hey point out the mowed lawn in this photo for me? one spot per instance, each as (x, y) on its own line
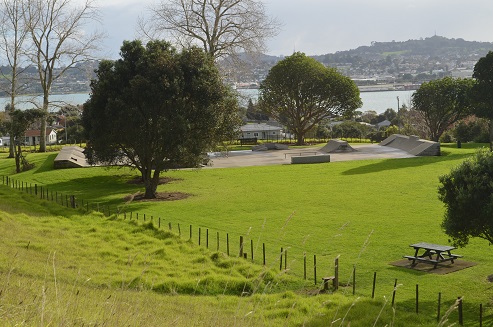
(365, 212)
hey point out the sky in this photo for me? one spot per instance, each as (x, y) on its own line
(326, 26)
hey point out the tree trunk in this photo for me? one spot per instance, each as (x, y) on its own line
(300, 140)
(11, 146)
(18, 156)
(151, 182)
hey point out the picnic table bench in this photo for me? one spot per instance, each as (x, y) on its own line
(432, 254)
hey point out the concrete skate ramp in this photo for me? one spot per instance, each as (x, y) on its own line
(71, 157)
(413, 145)
(336, 145)
(270, 146)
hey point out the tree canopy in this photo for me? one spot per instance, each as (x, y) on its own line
(442, 103)
(482, 90)
(467, 192)
(300, 91)
(156, 109)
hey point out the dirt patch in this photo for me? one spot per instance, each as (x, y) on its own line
(162, 180)
(441, 269)
(160, 196)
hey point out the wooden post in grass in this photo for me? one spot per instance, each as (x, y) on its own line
(159, 223)
(354, 279)
(35, 189)
(179, 230)
(439, 305)
(481, 315)
(286, 259)
(190, 232)
(207, 238)
(336, 274)
(393, 293)
(200, 232)
(417, 298)
(251, 249)
(374, 282)
(217, 241)
(263, 251)
(169, 226)
(304, 265)
(144, 217)
(280, 261)
(461, 316)
(227, 243)
(315, 268)
(241, 247)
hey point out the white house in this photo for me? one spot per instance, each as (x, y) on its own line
(261, 132)
(32, 136)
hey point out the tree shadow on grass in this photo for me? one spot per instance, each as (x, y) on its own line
(47, 165)
(391, 164)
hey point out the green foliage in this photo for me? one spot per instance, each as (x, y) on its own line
(443, 102)
(156, 109)
(481, 92)
(300, 92)
(467, 192)
(472, 129)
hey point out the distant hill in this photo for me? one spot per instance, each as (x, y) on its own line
(435, 46)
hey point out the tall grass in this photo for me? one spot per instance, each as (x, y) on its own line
(368, 212)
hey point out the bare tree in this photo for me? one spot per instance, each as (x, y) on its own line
(221, 27)
(13, 34)
(56, 29)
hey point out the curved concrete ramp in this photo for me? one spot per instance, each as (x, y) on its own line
(413, 145)
(71, 157)
(336, 145)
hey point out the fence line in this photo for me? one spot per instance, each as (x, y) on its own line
(72, 202)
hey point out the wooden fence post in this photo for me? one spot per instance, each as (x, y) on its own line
(461, 316)
(280, 260)
(227, 243)
(241, 247)
(263, 251)
(374, 282)
(304, 265)
(393, 293)
(207, 238)
(439, 305)
(217, 242)
(336, 274)
(354, 279)
(200, 232)
(315, 268)
(251, 249)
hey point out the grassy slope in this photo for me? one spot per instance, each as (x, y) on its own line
(368, 212)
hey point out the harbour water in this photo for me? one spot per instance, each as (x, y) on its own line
(377, 101)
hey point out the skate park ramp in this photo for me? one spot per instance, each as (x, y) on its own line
(412, 145)
(336, 146)
(71, 157)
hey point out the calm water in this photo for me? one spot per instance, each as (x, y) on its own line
(378, 101)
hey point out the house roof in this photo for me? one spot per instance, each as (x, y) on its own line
(37, 132)
(259, 127)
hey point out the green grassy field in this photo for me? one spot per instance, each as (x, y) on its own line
(365, 212)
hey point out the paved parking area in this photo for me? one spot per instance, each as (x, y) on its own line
(283, 157)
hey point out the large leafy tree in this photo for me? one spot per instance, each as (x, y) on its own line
(467, 192)
(156, 109)
(483, 91)
(20, 121)
(300, 92)
(443, 102)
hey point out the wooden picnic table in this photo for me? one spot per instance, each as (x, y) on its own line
(432, 254)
